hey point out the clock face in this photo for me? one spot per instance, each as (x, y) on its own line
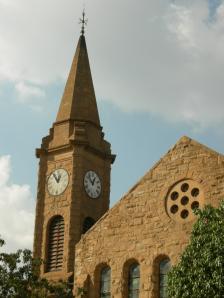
(92, 184)
(57, 182)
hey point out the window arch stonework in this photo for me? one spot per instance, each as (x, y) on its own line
(131, 279)
(105, 282)
(134, 281)
(55, 244)
(164, 268)
(97, 278)
(161, 267)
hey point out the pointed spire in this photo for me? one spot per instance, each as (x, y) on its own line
(78, 101)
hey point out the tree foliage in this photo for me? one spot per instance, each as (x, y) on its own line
(19, 278)
(200, 272)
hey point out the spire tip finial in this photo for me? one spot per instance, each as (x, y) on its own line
(83, 21)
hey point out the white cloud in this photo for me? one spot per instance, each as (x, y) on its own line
(16, 210)
(27, 91)
(6, 2)
(161, 57)
(180, 23)
(174, 69)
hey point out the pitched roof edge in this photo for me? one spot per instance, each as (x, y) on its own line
(183, 139)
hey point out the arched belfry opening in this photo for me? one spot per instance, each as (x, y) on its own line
(87, 224)
(55, 247)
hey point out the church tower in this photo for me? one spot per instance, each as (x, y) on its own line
(74, 172)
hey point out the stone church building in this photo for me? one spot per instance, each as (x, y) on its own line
(125, 251)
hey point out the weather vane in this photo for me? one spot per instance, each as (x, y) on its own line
(83, 21)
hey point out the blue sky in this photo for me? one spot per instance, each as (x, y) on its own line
(156, 78)
(213, 6)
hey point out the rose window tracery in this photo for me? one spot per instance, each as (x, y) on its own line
(183, 198)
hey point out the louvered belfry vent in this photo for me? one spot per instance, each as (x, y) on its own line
(55, 244)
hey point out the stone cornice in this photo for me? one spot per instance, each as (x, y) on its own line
(104, 155)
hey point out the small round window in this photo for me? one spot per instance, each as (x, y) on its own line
(183, 198)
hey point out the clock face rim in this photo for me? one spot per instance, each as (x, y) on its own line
(91, 197)
(55, 195)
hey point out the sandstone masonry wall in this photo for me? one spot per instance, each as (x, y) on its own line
(139, 228)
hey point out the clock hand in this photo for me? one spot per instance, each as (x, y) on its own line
(59, 177)
(55, 177)
(92, 181)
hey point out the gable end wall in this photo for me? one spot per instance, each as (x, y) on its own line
(138, 227)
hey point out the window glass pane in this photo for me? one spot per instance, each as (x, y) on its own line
(164, 268)
(105, 283)
(105, 286)
(135, 271)
(105, 295)
(133, 294)
(134, 281)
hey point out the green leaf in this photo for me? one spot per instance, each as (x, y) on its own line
(199, 273)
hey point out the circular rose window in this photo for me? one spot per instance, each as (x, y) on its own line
(183, 198)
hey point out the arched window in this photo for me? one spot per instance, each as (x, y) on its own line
(87, 224)
(55, 246)
(164, 267)
(105, 280)
(133, 281)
